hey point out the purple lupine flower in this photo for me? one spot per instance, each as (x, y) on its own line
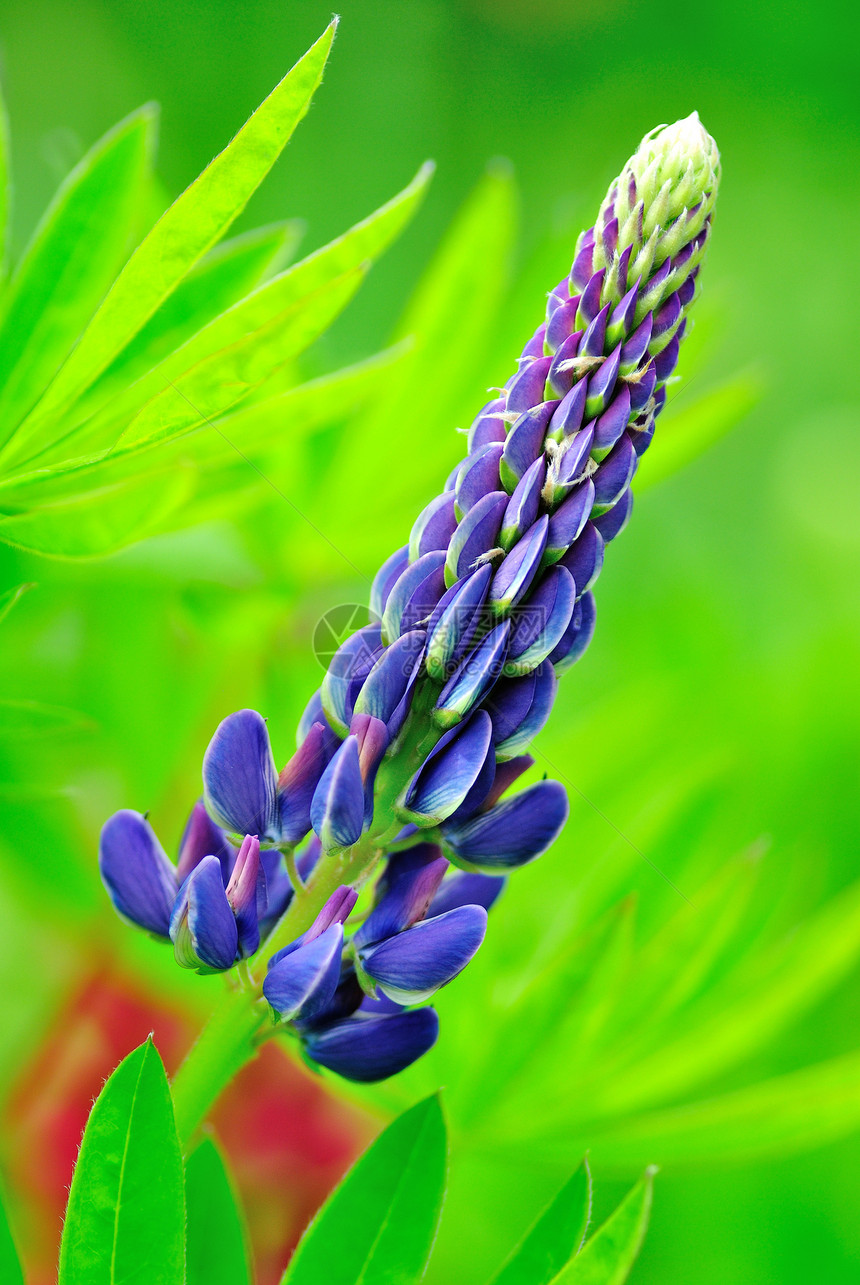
(407, 753)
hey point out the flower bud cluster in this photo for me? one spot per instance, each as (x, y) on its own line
(425, 715)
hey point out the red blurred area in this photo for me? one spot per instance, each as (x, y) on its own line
(287, 1141)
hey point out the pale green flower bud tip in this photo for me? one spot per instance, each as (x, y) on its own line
(682, 155)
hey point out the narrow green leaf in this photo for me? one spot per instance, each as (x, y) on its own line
(95, 523)
(126, 1214)
(70, 262)
(11, 597)
(10, 1264)
(226, 273)
(218, 382)
(192, 225)
(363, 243)
(608, 1257)
(217, 1252)
(776, 1117)
(556, 1236)
(377, 1227)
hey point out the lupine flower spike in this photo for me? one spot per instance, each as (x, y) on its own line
(409, 751)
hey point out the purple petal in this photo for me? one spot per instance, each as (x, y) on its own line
(523, 505)
(577, 635)
(489, 426)
(404, 893)
(411, 967)
(526, 388)
(433, 527)
(511, 834)
(385, 579)
(337, 809)
(388, 681)
(245, 891)
(518, 570)
(569, 466)
(567, 522)
(478, 476)
(561, 325)
(507, 773)
(519, 708)
(203, 838)
(347, 671)
(613, 522)
(601, 384)
(589, 302)
(539, 624)
(561, 375)
(612, 423)
(370, 1047)
(613, 476)
(299, 780)
(525, 443)
(567, 418)
(642, 389)
(592, 342)
(373, 740)
(584, 559)
(449, 772)
(414, 595)
(636, 346)
(202, 927)
(453, 624)
(140, 880)
(474, 677)
(621, 317)
(476, 535)
(534, 347)
(239, 779)
(302, 984)
(666, 361)
(464, 889)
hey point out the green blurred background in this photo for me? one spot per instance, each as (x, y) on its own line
(717, 710)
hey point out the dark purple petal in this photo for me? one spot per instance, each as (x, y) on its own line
(433, 527)
(388, 681)
(478, 476)
(567, 417)
(523, 505)
(203, 838)
(404, 892)
(666, 361)
(347, 671)
(568, 520)
(594, 339)
(518, 569)
(511, 834)
(412, 966)
(577, 636)
(302, 984)
(584, 558)
(140, 880)
(385, 579)
(525, 443)
(612, 423)
(569, 465)
(621, 317)
(337, 808)
(449, 772)
(308, 857)
(369, 1047)
(373, 740)
(474, 677)
(279, 890)
(642, 388)
(613, 476)
(602, 384)
(561, 325)
(613, 522)
(526, 388)
(476, 535)
(489, 426)
(539, 624)
(202, 927)
(534, 347)
(562, 372)
(300, 778)
(636, 346)
(239, 778)
(414, 596)
(454, 622)
(481, 789)
(313, 713)
(666, 321)
(506, 774)
(519, 708)
(583, 265)
(589, 303)
(464, 889)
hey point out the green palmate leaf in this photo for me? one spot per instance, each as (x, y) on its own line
(556, 1236)
(226, 273)
(377, 1228)
(11, 597)
(216, 1246)
(192, 225)
(689, 429)
(126, 1214)
(216, 383)
(803, 1109)
(447, 317)
(608, 1257)
(70, 262)
(10, 1264)
(97, 522)
(359, 246)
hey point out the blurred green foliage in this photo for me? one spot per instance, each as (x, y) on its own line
(677, 981)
